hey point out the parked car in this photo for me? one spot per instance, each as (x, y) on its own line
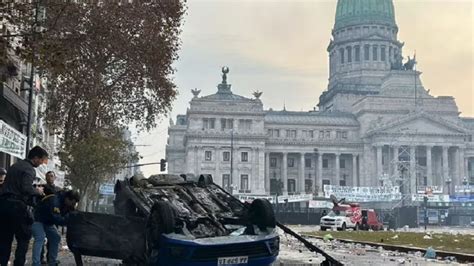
(177, 220)
(342, 216)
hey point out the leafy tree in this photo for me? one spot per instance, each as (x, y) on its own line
(108, 65)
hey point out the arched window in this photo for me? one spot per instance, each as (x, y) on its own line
(349, 54)
(357, 53)
(382, 53)
(375, 51)
(341, 55)
(366, 52)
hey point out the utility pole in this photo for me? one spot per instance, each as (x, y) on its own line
(231, 161)
(32, 75)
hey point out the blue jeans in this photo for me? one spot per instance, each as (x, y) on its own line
(40, 231)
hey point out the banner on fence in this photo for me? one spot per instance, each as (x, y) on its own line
(363, 194)
(320, 204)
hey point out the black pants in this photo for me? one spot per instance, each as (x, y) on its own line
(14, 222)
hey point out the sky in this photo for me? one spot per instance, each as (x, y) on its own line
(279, 47)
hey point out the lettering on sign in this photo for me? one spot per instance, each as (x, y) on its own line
(12, 141)
(363, 194)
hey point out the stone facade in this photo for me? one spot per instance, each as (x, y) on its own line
(377, 124)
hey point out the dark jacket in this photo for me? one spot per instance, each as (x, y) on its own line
(50, 210)
(19, 181)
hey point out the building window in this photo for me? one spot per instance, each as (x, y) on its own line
(344, 134)
(291, 185)
(307, 162)
(375, 51)
(308, 134)
(226, 182)
(341, 55)
(291, 133)
(321, 134)
(244, 156)
(349, 54)
(208, 155)
(291, 162)
(366, 52)
(227, 123)
(244, 182)
(208, 123)
(308, 185)
(342, 163)
(357, 53)
(245, 124)
(389, 53)
(382, 53)
(273, 162)
(328, 134)
(325, 163)
(226, 156)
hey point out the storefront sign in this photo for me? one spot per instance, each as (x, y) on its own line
(363, 194)
(431, 198)
(106, 189)
(12, 141)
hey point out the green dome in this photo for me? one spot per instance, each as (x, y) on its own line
(356, 12)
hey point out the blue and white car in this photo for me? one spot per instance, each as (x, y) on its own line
(178, 220)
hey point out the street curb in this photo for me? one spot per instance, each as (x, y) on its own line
(461, 257)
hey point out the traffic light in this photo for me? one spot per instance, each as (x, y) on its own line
(162, 165)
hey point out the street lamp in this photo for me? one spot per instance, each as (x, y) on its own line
(465, 183)
(448, 182)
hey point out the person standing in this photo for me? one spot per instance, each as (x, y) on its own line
(51, 211)
(3, 173)
(50, 178)
(16, 200)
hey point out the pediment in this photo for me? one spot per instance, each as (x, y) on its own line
(419, 124)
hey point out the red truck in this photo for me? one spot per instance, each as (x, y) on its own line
(350, 215)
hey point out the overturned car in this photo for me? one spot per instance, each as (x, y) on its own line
(177, 220)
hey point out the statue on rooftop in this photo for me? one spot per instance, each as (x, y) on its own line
(225, 71)
(257, 94)
(196, 92)
(410, 64)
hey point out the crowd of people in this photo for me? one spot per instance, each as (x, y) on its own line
(31, 208)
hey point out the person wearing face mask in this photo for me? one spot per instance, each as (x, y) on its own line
(16, 200)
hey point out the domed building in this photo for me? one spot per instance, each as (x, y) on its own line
(377, 126)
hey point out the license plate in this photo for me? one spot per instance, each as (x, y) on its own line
(232, 261)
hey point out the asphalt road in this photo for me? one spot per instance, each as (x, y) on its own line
(293, 253)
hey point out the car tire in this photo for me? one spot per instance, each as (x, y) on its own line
(323, 228)
(343, 227)
(205, 180)
(356, 228)
(161, 220)
(261, 214)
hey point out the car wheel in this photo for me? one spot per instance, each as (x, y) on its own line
(261, 214)
(356, 228)
(323, 228)
(205, 180)
(343, 228)
(160, 221)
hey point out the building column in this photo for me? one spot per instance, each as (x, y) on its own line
(338, 169)
(354, 170)
(267, 173)
(456, 173)
(301, 178)
(379, 162)
(462, 164)
(395, 161)
(320, 173)
(446, 170)
(413, 169)
(429, 166)
(284, 173)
